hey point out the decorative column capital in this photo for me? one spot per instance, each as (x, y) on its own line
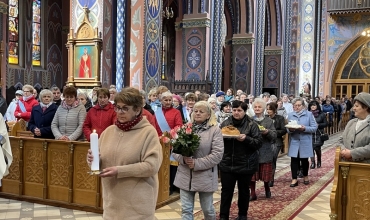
(250, 40)
(3, 8)
(273, 52)
(178, 26)
(196, 22)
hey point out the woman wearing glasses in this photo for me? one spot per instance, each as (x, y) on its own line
(130, 157)
(300, 139)
(25, 104)
(69, 118)
(100, 116)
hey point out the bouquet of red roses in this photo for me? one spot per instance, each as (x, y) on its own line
(183, 140)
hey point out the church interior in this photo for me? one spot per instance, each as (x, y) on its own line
(297, 47)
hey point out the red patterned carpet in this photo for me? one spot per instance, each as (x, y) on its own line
(286, 202)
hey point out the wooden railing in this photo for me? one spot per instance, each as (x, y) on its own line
(184, 86)
(349, 198)
(56, 173)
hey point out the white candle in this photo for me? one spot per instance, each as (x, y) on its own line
(94, 146)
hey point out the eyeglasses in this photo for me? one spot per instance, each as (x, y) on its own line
(298, 105)
(26, 91)
(123, 109)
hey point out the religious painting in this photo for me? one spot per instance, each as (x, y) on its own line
(85, 60)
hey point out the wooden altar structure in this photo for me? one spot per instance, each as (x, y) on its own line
(84, 55)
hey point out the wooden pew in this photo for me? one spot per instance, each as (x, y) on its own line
(55, 173)
(349, 198)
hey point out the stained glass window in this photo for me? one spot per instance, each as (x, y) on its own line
(36, 29)
(13, 32)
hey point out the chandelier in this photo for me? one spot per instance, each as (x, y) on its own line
(168, 12)
(366, 33)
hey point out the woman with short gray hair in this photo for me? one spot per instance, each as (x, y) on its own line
(42, 115)
(300, 139)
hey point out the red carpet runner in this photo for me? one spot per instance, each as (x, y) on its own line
(286, 202)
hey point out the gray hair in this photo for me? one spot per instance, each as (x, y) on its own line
(273, 97)
(211, 100)
(143, 93)
(298, 99)
(82, 94)
(165, 95)
(259, 101)
(45, 92)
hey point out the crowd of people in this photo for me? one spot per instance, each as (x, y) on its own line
(129, 123)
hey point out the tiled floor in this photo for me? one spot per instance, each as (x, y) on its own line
(318, 208)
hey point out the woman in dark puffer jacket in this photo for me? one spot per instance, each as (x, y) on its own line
(321, 121)
(279, 123)
(240, 160)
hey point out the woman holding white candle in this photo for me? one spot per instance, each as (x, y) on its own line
(130, 158)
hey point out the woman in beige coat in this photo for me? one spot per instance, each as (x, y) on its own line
(355, 140)
(199, 173)
(131, 156)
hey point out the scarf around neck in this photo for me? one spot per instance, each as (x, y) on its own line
(315, 113)
(65, 106)
(42, 105)
(27, 98)
(126, 126)
(201, 127)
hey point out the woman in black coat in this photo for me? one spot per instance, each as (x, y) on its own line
(279, 123)
(42, 115)
(321, 121)
(240, 160)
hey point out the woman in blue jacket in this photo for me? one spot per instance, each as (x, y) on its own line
(42, 115)
(300, 139)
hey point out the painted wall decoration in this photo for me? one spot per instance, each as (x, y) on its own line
(193, 61)
(343, 29)
(137, 42)
(108, 58)
(95, 15)
(241, 65)
(54, 75)
(307, 40)
(271, 75)
(120, 43)
(259, 49)
(322, 47)
(152, 42)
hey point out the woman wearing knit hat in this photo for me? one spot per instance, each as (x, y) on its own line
(355, 140)
(9, 115)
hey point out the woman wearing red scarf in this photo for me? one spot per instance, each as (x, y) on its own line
(130, 157)
(25, 104)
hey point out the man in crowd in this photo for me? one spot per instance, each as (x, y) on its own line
(57, 99)
(286, 104)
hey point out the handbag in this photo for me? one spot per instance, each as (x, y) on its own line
(323, 136)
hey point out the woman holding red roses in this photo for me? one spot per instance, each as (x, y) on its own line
(199, 173)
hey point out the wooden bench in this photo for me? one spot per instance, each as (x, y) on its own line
(350, 194)
(55, 173)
